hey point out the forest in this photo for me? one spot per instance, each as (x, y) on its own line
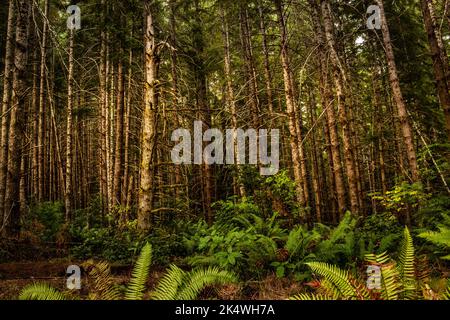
(225, 150)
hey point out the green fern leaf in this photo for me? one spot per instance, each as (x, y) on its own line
(104, 286)
(169, 285)
(310, 296)
(339, 278)
(139, 276)
(390, 278)
(196, 280)
(406, 266)
(41, 291)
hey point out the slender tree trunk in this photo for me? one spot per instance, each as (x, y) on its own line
(231, 103)
(102, 128)
(340, 86)
(17, 121)
(149, 130)
(68, 198)
(398, 96)
(118, 166)
(6, 105)
(175, 90)
(267, 71)
(250, 67)
(291, 106)
(42, 110)
(315, 165)
(330, 113)
(440, 66)
(126, 149)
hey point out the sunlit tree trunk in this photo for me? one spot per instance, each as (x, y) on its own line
(149, 130)
(68, 197)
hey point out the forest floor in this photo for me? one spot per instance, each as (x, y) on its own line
(16, 276)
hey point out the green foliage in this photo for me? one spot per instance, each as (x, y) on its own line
(105, 243)
(241, 239)
(406, 263)
(398, 280)
(440, 239)
(180, 285)
(339, 278)
(41, 291)
(51, 216)
(378, 233)
(282, 188)
(104, 287)
(136, 287)
(403, 197)
(175, 285)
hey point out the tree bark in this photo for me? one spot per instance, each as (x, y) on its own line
(440, 63)
(149, 130)
(5, 115)
(17, 121)
(340, 82)
(231, 103)
(118, 165)
(68, 197)
(291, 106)
(267, 71)
(42, 110)
(398, 97)
(330, 112)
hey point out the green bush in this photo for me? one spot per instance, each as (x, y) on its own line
(51, 216)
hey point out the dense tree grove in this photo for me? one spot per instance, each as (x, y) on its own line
(95, 92)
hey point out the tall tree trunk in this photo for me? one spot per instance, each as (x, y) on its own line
(340, 82)
(291, 106)
(315, 165)
(118, 166)
(126, 148)
(149, 130)
(267, 71)
(330, 113)
(231, 103)
(17, 121)
(68, 197)
(398, 96)
(102, 132)
(5, 115)
(250, 67)
(175, 90)
(42, 110)
(440, 66)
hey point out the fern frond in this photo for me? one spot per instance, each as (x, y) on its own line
(104, 286)
(169, 285)
(327, 288)
(339, 278)
(139, 276)
(440, 239)
(406, 265)
(41, 291)
(196, 280)
(390, 278)
(447, 293)
(311, 296)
